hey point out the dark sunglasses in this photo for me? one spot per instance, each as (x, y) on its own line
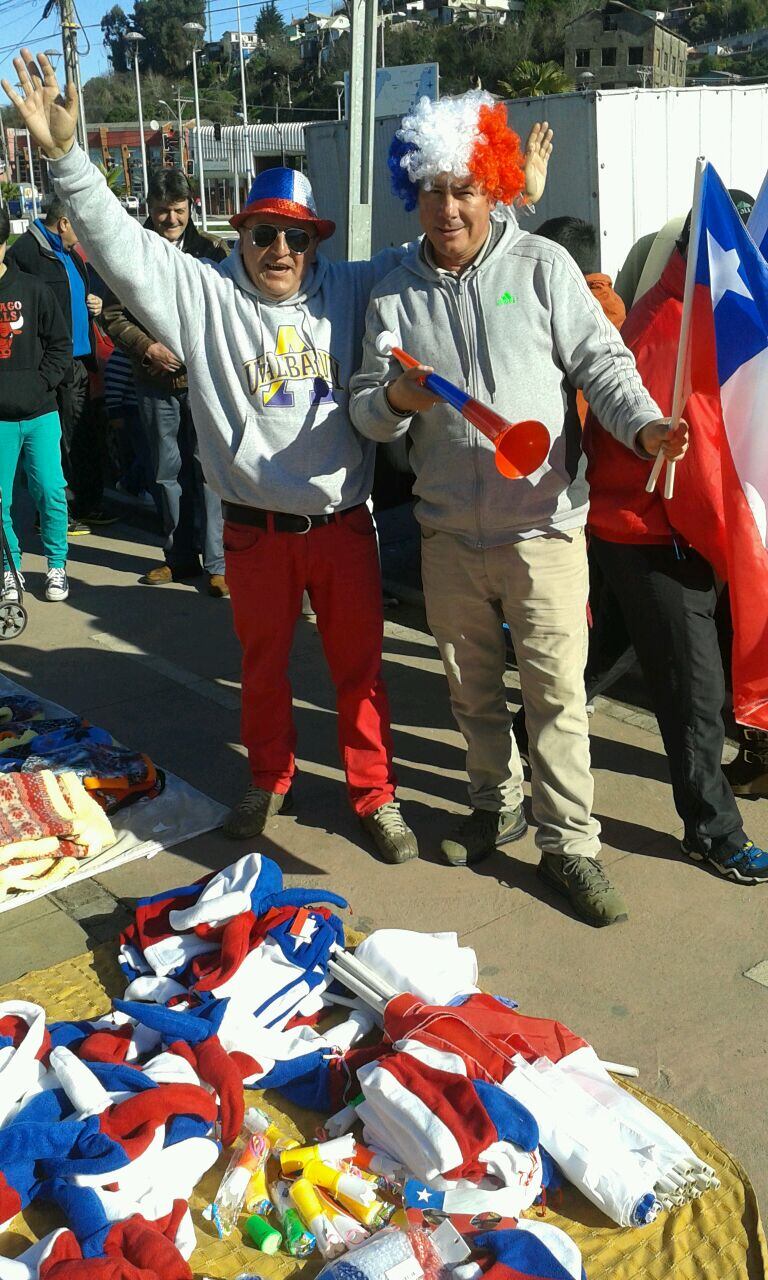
(264, 234)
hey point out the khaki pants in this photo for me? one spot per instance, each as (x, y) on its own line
(541, 586)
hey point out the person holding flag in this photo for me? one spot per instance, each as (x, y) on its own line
(661, 554)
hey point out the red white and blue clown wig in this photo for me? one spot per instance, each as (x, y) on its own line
(467, 137)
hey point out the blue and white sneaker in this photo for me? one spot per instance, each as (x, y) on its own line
(748, 865)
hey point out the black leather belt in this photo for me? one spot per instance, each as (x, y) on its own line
(278, 521)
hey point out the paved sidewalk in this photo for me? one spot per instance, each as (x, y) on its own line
(158, 667)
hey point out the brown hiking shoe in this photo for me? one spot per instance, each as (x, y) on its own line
(584, 882)
(217, 586)
(391, 834)
(250, 815)
(163, 573)
(482, 831)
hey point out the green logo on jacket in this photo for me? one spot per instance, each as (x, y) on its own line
(506, 299)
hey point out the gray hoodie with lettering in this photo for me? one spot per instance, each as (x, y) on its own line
(268, 381)
(518, 330)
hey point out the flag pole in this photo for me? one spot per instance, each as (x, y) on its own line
(685, 331)
(757, 222)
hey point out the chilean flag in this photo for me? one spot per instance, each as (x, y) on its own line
(726, 341)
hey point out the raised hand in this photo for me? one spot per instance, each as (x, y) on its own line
(50, 117)
(538, 149)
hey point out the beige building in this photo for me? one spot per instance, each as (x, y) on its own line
(616, 47)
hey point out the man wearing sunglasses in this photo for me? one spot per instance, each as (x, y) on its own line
(270, 339)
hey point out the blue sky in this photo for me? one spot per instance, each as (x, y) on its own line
(18, 19)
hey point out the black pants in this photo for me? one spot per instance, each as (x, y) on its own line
(80, 442)
(668, 600)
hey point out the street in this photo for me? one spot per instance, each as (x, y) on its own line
(158, 667)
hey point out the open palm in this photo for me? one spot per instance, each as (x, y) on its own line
(50, 116)
(538, 149)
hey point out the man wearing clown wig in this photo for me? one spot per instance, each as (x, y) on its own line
(507, 316)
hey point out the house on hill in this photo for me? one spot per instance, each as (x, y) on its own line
(617, 47)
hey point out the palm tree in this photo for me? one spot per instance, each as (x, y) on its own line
(114, 176)
(535, 80)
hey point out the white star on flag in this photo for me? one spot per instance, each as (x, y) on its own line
(307, 933)
(724, 271)
(424, 1196)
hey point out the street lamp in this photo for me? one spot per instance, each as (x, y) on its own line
(644, 75)
(134, 38)
(339, 87)
(196, 30)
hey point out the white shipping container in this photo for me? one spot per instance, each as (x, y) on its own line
(624, 160)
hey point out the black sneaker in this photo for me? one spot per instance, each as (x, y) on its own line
(100, 516)
(77, 528)
(747, 865)
(250, 815)
(482, 832)
(584, 883)
(391, 834)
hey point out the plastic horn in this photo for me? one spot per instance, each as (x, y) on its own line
(340, 1123)
(521, 447)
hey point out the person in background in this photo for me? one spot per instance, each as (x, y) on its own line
(136, 469)
(507, 316)
(35, 354)
(187, 500)
(667, 591)
(580, 239)
(48, 250)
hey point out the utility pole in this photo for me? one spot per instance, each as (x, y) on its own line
(69, 31)
(196, 31)
(363, 15)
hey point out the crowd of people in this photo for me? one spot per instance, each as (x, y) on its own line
(261, 389)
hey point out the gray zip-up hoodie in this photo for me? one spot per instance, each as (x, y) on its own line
(519, 330)
(268, 381)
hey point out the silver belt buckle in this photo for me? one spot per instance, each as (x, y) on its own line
(309, 524)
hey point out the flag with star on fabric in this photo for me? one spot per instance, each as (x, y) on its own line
(727, 357)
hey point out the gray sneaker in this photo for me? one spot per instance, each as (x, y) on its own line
(481, 832)
(251, 814)
(584, 882)
(391, 834)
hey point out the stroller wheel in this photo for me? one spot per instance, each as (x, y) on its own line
(13, 620)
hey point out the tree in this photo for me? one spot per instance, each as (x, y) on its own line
(114, 26)
(168, 47)
(535, 80)
(109, 98)
(115, 178)
(270, 22)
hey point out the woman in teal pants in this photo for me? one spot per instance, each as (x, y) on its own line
(35, 355)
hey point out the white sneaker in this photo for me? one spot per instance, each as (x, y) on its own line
(10, 590)
(56, 585)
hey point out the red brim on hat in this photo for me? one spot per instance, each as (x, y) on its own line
(286, 209)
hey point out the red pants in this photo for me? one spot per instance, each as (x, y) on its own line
(338, 565)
